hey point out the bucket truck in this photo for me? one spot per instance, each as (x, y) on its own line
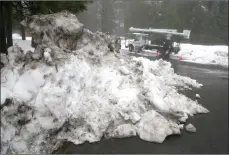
(165, 47)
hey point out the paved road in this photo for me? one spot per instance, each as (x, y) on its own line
(212, 128)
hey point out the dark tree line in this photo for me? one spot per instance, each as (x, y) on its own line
(13, 12)
(6, 25)
(208, 20)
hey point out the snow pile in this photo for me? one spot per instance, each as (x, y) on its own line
(217, 55)
(86, 92)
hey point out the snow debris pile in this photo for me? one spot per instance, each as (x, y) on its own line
(197, 96)
(73, 88)
(217, 55)
(190, 128)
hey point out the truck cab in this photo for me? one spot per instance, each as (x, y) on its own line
(140, 39)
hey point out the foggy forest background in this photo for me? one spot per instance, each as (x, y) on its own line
(208, 20)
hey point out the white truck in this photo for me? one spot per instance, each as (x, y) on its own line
(141, 38)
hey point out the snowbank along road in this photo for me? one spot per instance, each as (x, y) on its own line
(72, 87)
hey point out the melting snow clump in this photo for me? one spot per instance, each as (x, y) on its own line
(73, 88)
(190, 128)
(197, 96)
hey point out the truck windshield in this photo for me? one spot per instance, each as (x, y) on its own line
(137, 38)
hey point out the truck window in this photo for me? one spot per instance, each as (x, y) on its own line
(137, 38)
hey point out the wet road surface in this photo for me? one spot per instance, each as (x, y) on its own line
(212, 128)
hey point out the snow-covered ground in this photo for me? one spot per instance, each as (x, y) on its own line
(205, 54)
(25, 44)
(212, 54)
(86, 93)
(18, 36)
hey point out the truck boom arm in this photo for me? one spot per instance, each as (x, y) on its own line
(185, 34)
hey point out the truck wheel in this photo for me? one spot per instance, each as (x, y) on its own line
(131, 48)
(140, 49)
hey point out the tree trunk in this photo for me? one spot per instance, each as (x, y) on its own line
(126, 16)
(21, 18)
(34, 12)
(23, 32)
(3, 35)
(22, 28)
(33, 44)
(104, 16)
(96, 15)
(9, 24)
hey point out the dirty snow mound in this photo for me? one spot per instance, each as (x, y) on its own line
(85, 92)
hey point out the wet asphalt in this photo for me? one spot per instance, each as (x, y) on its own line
(212, 128)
